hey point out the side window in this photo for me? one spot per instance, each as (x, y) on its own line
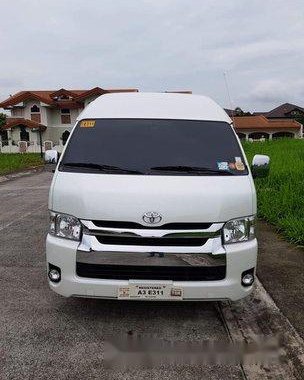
(65, 116)
(35, 114)
(65, 136)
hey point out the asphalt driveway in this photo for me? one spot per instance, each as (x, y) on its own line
(43, 335)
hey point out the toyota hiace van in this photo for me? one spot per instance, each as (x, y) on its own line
(153, 198)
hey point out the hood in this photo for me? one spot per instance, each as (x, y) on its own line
(177, 198)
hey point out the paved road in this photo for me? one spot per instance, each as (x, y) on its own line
(43, 335)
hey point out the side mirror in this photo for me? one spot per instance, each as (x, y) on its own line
(51, 156)
(260, 166)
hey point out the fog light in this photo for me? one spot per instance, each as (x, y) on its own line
(247, 279)
(54, 275)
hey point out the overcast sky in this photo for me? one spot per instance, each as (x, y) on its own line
(157, 45)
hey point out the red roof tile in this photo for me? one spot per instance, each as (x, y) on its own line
(93, 92)
(283, 123)
(250, 122)
(62, 91)
(260, 122)
(12, 122)
(46, 96)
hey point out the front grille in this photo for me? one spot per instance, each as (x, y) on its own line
(140, 272)
(138, 226)
(151, 241)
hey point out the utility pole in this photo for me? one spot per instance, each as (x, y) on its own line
(228, 94)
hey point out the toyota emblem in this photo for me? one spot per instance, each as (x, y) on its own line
(152, 217)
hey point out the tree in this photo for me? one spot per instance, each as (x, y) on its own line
(239, 112)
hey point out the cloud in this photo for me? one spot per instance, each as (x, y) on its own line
(276, 91)
(155, 45)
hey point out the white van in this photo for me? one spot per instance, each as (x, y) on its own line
(153, 199)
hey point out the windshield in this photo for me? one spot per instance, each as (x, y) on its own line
(153, 147)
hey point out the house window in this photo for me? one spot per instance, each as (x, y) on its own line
(64, 97)
(24, 135)
(18, 112)
(65, 116)
(4, 138)
(65, 136)
(35, 114)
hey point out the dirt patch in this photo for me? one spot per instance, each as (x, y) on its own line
(22, 173)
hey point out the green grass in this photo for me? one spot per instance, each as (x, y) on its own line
(12, 162)
(281, 194)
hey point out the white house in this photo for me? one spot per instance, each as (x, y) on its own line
(45, 116)
(259, 127)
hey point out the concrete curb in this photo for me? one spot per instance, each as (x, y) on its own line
(257, 317)
(21, 173)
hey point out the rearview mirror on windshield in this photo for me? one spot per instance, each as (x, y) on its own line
(51, 156)
(260, 166)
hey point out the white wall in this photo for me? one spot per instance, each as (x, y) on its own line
(270, 132)
(27, 110)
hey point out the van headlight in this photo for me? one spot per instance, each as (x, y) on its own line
(238, 230)
(65, 226)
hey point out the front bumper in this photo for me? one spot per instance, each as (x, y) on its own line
(239, 258)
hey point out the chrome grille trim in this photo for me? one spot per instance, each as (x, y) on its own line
(89, 243)
(92, 239)
(162, 226)
(211, 232)
(145, 258)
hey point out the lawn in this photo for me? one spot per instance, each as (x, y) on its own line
(281, 194)
(15, 161)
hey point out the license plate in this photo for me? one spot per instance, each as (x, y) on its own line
(150, 291)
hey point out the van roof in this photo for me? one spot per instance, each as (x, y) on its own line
(154, 106)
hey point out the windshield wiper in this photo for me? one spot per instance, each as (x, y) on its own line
(191, 169)
(101, 168)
